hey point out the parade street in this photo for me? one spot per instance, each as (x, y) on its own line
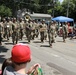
(58, 60)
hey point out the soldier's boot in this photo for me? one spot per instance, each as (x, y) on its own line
(21, 36)
(42, 41)
(45, 37)
(37, 35)
(29, 38)
(13, 42)
(29, 41)
(8, 37)
(53, 41)
(64, 40)
(0, 43)
(51, 45)
(16, 40)
(33, 36)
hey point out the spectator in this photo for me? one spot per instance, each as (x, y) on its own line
(20, 56)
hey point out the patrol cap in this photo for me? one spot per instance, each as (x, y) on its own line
(21, 53)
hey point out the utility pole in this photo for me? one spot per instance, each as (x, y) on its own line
(68, 8)
(54, 1)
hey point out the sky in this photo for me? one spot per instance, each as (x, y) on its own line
(60, 0)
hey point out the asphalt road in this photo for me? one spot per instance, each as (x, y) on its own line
(58, 60)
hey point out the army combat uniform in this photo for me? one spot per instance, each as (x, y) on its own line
(64, 32)
(28, 31)
(51, 33)
(42, 30)
(33, 30)
(21, 30)
(15, 32)
(1, 32)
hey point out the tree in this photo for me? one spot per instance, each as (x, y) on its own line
(71, 8)
(5, 11)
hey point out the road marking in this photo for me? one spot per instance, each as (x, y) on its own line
(55, 55)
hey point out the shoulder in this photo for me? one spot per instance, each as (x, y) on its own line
(9, 68)
(8, 71)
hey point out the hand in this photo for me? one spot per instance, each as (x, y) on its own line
(33, 69)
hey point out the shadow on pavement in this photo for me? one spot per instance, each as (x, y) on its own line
(8, 43)
(59, 41)
(4, 40)
(3, 49)
(23, 42)
(2, 58)
(44, 46)
(37, 42)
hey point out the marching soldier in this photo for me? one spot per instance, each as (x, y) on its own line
(43, 29)
(1, 32)
(4, 28)
(9, 28)
(15, 31)
(21, 25)
(36, 29)
(51, 33)
(28, 30)
(33, 29)
(65, 31)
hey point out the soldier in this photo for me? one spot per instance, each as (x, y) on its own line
(1, 32)
(36, 29)
(9, 28)
(49, 34)
(45, 32)
(65, 31)
(15, 31)
(43, 29)
(53, 31)
(28, 30)
(4, 28)
(33, 29)
(1, 28)
(21, 25)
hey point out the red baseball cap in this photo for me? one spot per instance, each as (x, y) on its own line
(21, 53)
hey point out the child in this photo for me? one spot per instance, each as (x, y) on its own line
(21, 55)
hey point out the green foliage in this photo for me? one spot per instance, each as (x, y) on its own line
(49, 11)
(41, 6)
(5, 11)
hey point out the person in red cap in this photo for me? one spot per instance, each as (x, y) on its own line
(20, 56)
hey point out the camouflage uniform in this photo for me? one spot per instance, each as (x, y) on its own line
(33, 30)
(15, 32)
(21, 31)
(1, 32)
(4, 28)
(53, 32)
(36, 29)
(42, 31)
(28, 31)
(7, 28)
(65, 31)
